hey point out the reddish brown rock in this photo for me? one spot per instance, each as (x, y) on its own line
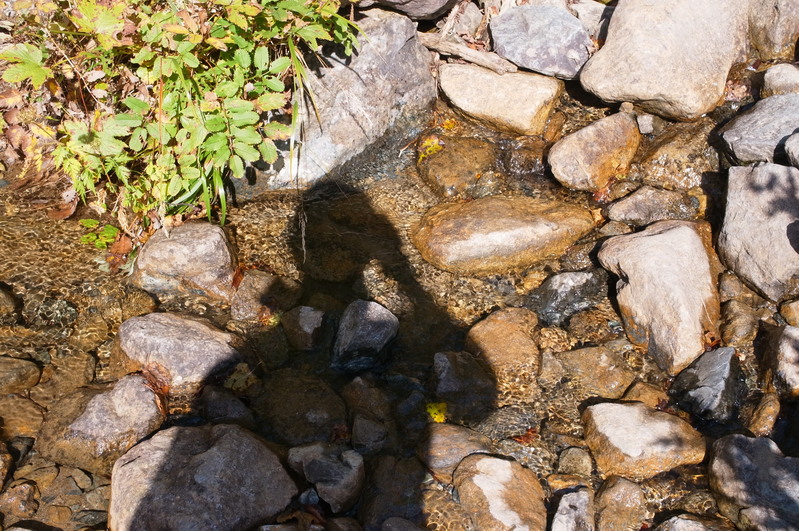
(446, 445)
(599, 371)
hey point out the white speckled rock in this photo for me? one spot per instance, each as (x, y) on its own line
(759, 134)
(517, 102)
(638, 442)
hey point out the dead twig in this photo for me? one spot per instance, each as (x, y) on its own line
(449, 46)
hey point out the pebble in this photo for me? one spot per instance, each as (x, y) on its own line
(17, 375)
(459, 167)
(780, 79)
(648, 205)
(337, 473)
(637, 442)
(712, 387)
(575, 511)
(598, 371)
(517, 102)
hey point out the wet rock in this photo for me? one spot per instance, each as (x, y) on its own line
(66, 372)
(220, 406)
(667, 297)
(401, 524)
(646, 393)
(500, 494)
(765, 415)
(599, 371)
(759, 235)
(456, 170)
(691, 522)
(575, 461)
(739, 323)
(541, 38)
(90, 330)
(300, 408)
(731, 288)
(759, 134)
(565, 294)
(6, 461)
(92, 428)
(754, 484)
(20, 501)
(235, 481)
(369, 406)
(446, 445)
(20, 417)
(394, 491)
(194, 258)
(792, 150)
(620, 504)
(780, 79)
(589, 158)
(385, 86)
(679, 158)
(638, 442)
(784, 361)
(712, 387)
(517, 102)
(185, 351)
(8, 307)
(575, 511)
(363, 332)
(337, 474)
(303, 326)
(17, 375)
(774, 28)
(672, 59)
(461, 382)
(415, 9)
(495, 234)
(647, 205)
(524, 156)
(503, 343)
(261, 294)
(789, 311)
(594, 16)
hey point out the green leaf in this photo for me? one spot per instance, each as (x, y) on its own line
(268, 151)
(248, 135)
(246, 152)
(238, 105)
(271, 101)
(277, 131)
(244, 118)
(261, 58)
(274, 84)
(237, 166)
(279, 66)
(29, 64)
(191, 60)
(215, 123)
(242, 57)
(136, 105)
(142, 56)
(227, 89)
(215, 142)
(313, 32)
(89, 223)
(138, 139)
(221, 156)
(127, 120)
(175, 185)
(23, 53)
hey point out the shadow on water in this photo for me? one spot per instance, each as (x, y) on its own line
(346, 250)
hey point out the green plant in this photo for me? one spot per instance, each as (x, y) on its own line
(100, 237)
(175, 96)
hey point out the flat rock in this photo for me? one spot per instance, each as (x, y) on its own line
(495, 234)
(575, 511)
(589, 158)
(758, 241)
(458, 168)
(384, 89)
(193, 258)
(638, 442)
(365, 329)
(503, 343)
(780, 79)
(665, 292)
(188, 478)
(774, 28)
(670, 59)
(759, 134)
(414, 9)
(338, 474)
(620, 504)
(500, 494)
(261, 294)
(299, 408)
(517, 102)
(92, 428)
(185, 351)
(598, 371)
(17, 375)
(20, 416)
(647, 205)
(754, 484)
(713, 386)
(542, 38)
(446, 445)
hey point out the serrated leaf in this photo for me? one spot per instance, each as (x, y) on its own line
(23, 53)
(215, 123)
(22, 71)
(221, 156)
(248, 135)
(175, 185)
(226, 89)
(242, 57)
(136, 105)
(244, 118)
(176, 28)
(236, 166)
(279, 66)
(271, 101)
(137, 139)
(191, 60)
(246, 152)
(127, 120)
(215, 142)
(142, 56)
(277, 131)
(274, 84)
(268, 151)
(89, 223)
(261, 58)
(238, 105)
(311, 33)
(219, 44)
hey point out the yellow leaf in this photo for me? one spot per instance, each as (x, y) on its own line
(176, 28)
(219, 44)
(437, 411)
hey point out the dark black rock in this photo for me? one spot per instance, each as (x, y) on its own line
(365, 329)
(712, 387)
(565, 294)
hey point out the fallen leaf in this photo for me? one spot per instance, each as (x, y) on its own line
(11, 98)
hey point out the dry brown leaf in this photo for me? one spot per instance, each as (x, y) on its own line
(11, 98)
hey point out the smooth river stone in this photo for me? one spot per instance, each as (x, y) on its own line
(496, 234)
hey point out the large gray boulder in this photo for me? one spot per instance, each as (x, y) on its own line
(774, 28)
(670, 58)
(386, 85)
(544, 39)
(194, 258)
(184, 352)
(755, 485)
(667, 297)
(519, 102)
(92, 427)
(414, 9)
(759, 237)
(188, 478)
(759, 134)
